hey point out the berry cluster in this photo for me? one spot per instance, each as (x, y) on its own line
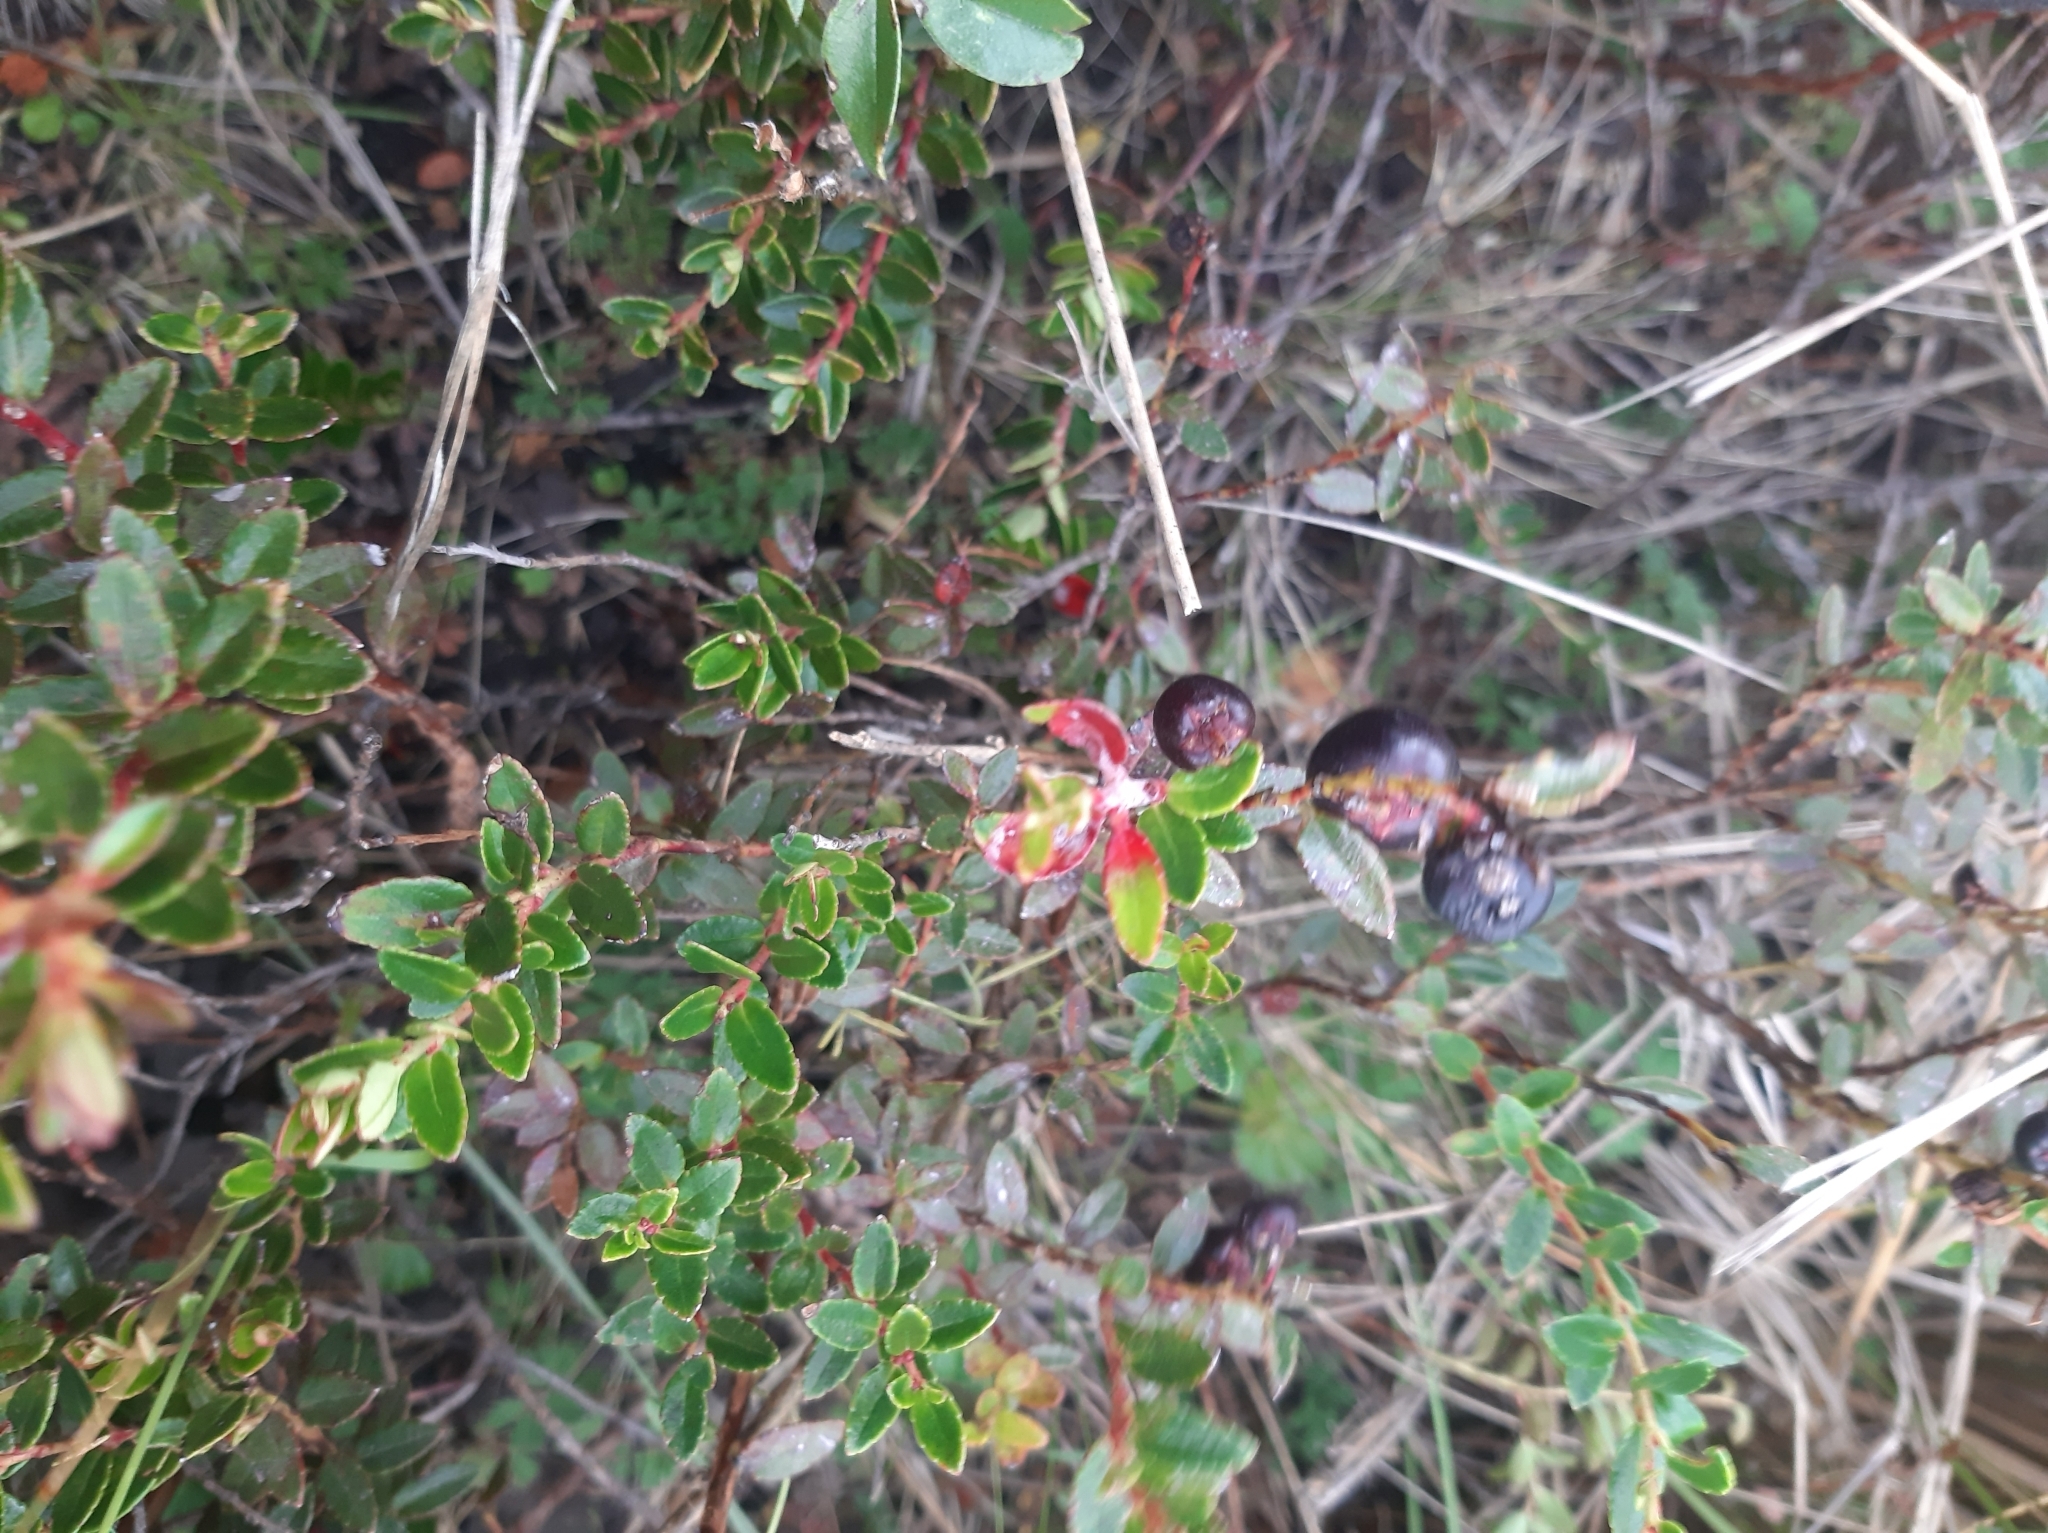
(1394, 775)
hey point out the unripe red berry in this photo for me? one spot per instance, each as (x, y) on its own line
(953, 584)
(1390, 743)
(1487, 885)
(1200, 720)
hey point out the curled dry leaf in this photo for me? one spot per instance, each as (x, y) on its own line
(1550, 786)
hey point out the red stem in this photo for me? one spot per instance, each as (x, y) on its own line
(54, 441)
(913, 128)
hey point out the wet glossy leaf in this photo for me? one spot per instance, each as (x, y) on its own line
(1347, 871)
(783, 1453)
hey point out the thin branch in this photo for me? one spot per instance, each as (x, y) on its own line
(465, 367)
(1977, 123)
(676, 572)
(1120, 345)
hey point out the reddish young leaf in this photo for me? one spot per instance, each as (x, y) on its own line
(1135, 885)
(1085, 725)
(1052, 833)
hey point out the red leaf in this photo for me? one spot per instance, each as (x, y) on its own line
(1085, 725)
(1052, 833)
(1135, 885)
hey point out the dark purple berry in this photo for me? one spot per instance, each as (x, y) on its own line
(1201, 720)
(1252, 1245)
(1394, 745)
(1270, 1227)
(1488, 886)
(2030, 1143)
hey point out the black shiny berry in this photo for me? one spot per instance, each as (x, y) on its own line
(2030, 1143)
(1487, 885)
(1393, 744)
(1201, 720)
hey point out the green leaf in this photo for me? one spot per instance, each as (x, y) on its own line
(602, 828)
(1012, 42)
(875, 1261)
(605, 904)
(1715, 1474)
(957, 1320)
(1527, 1233)
(910, 1330)
(441, 983)
(847, 1324)
(51, 783)
(1346, 869)
(490, 942)
(288, 418)
(740, 1345)
(315, 657)
(798, 957)
(679, 1281)
(502, 1024)
(402, 912)
(1831, 627)
(1937, 749)
(435, 1103)
(693, 1014)
(935, 1418)
(194, 748)
(1689, 1341)
(715, 1115)
(1545, 1088)
(761, 1045)
(24, 334)
(1584, 1340)
(1677, 1379)
(1550, 786)
(1183, 854)
(130, 405)
(128, 840)
(1604, 1210)
(1959, 607)
(604, 1211)
(1166, 1355)
(131, 634)
(274, 776)
(1515, 1128)
(263, 548)
(653, 1156)
(706, 1191)
(1625, 1509)
(32, 504)
(174, 332)
(224, 413)
(238, 632)
(1134, 883)
(1184, 1447)
(864, 51)
(1218, 789)
(1455, 1054)
(244, 335)
(434, 1489)
(871, 1413)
